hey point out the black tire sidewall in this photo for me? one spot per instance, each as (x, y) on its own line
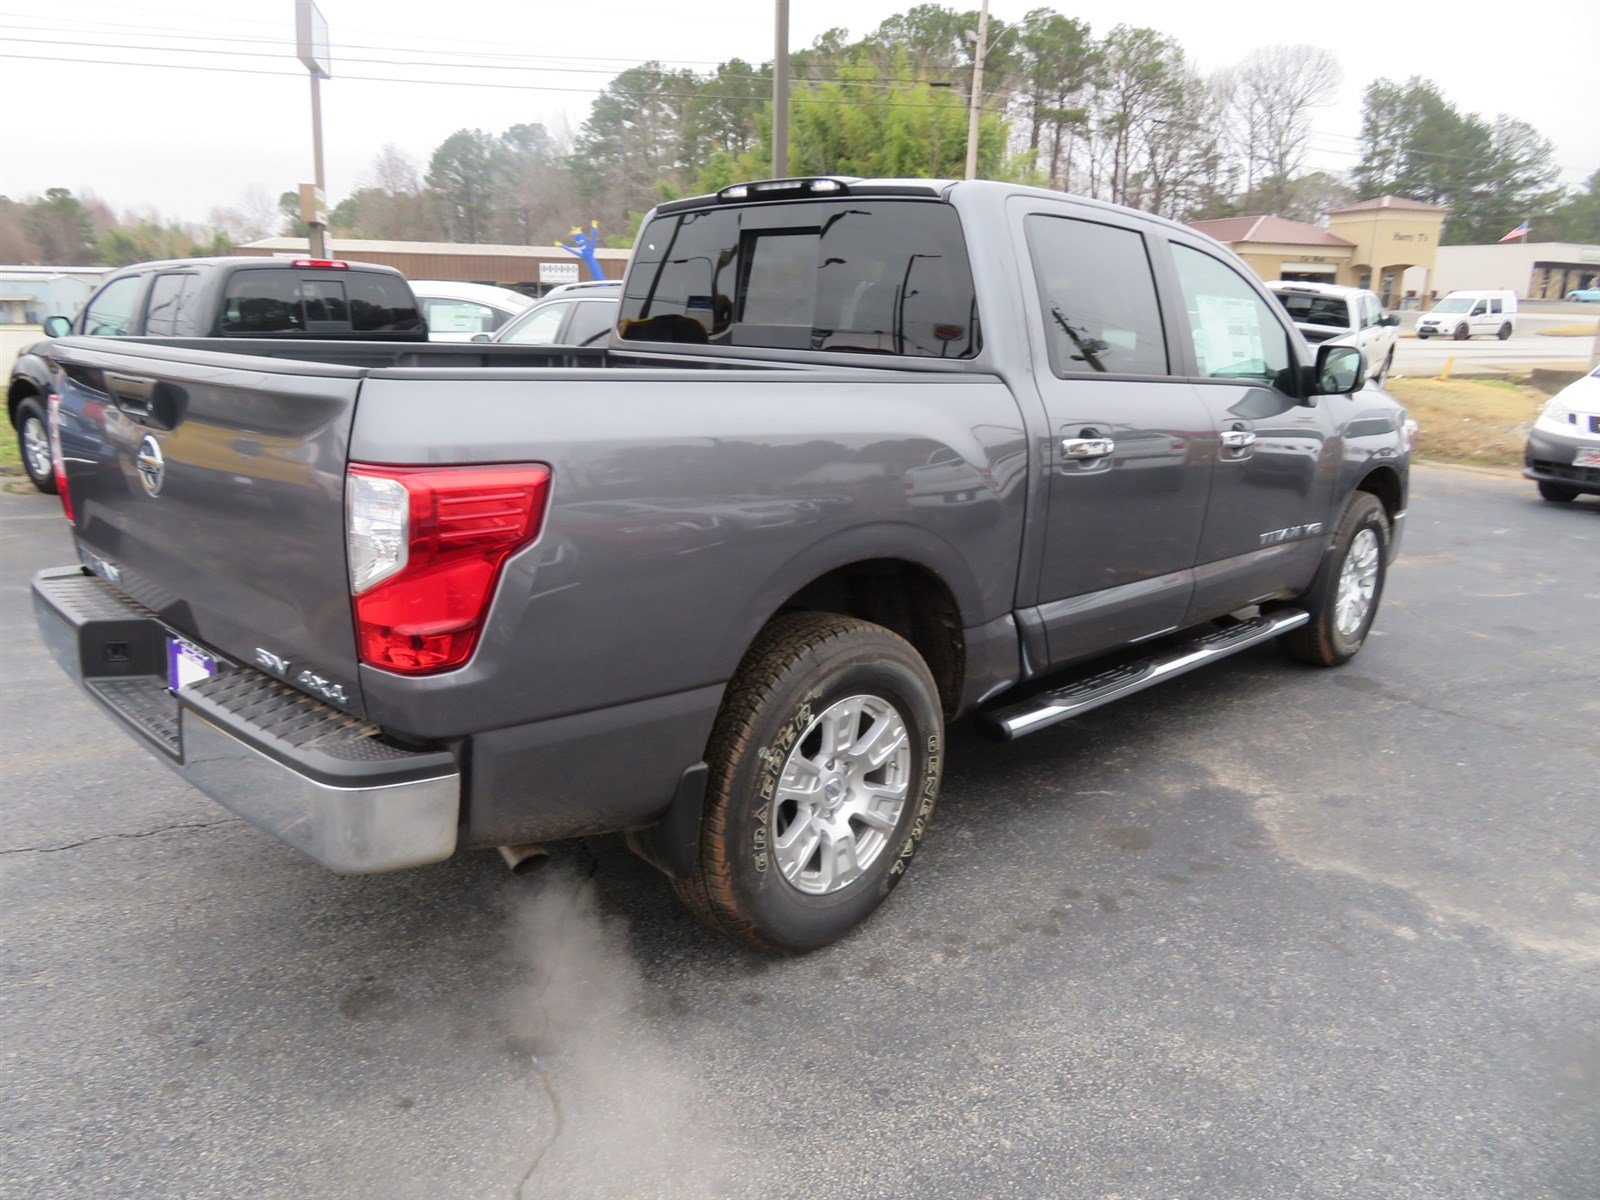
(1504, 331)
(32, 408)
(865, 665)
(1462, 333)
(1557, 493)
(1366, 512)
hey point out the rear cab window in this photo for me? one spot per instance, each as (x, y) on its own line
(860, 275)
(265, 302)
(1306, 308)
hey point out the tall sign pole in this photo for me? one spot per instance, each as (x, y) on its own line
(311, 43)
(780, 93)
(974, 101)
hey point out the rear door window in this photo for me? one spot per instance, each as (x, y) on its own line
(164, 314)
(1099, 298)
(591, 322)
(872, 276)
(110, 313)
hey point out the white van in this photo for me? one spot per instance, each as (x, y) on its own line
(1462, 314)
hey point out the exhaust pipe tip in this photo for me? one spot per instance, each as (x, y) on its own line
(525, 858)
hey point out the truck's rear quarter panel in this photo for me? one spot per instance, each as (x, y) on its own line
(686, 507)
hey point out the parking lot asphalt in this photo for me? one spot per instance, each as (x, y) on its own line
(1267, 932)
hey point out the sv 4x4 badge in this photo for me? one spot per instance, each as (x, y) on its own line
(310, 680)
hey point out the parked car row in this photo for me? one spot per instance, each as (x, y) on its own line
(313, 298)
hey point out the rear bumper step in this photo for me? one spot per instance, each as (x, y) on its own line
(317, 778)
(1090, 692)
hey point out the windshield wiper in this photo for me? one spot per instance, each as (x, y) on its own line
(1090, 349)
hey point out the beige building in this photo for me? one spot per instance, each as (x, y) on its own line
(1371, 244)
(531, 269)
(1277, 248)
(1391, 235)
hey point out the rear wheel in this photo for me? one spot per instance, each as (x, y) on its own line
(1559, 493)
(33, 439)
(825, 764)
(1504, 331)
(1343, 598)
(1462, 333)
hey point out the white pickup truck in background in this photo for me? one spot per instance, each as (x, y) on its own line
(1328, 313)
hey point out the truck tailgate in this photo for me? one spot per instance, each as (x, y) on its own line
(210, 488)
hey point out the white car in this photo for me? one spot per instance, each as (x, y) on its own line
(1460, 315)
(1327, 313)
(1563, 451)
(458, 312)
(579, 318)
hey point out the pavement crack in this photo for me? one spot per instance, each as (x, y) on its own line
(558, 1115)
(113, 837)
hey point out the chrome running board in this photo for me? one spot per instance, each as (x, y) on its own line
(1012, 721)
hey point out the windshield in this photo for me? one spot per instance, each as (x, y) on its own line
(1454, 304)
(871, 276)
(1330, 311)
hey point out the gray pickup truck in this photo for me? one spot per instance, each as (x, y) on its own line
(860, 458)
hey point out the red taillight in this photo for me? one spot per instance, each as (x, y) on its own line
(331, 264)
(426, 545)
(58, 465)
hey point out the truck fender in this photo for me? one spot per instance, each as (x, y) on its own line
(862, 543)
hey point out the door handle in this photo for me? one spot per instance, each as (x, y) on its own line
(1238, 439)
(1087, 447)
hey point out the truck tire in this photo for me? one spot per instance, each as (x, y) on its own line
(1504, 331)
(1462, 333)
(1343, 598)
(1558, 493)
(824, 768)
(33, 440)
(1422, 337)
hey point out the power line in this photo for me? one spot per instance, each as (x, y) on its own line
(885, 84)
(953, 105)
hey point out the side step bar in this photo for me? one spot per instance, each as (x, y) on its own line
(1081, 695)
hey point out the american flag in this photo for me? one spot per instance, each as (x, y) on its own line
(1521, 231)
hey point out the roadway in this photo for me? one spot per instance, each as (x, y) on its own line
(1266, 932)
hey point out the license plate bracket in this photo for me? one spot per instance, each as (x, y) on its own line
(187, 664)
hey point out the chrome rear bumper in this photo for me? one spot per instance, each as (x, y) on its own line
(305, 772)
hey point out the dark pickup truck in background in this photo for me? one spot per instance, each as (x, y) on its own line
(235, 297)
(860, 458)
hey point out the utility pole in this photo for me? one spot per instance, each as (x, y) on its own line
(780, 93)
(311, 44)
(976, 98)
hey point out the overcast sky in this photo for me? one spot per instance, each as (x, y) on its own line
(229, 109)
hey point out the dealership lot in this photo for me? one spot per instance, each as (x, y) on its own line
(1268, 931)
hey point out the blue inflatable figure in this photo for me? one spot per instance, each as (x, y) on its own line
(581, 244)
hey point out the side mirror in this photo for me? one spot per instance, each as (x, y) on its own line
(1390, 319)
(1339, 369)
(481, 337)
(57, 326)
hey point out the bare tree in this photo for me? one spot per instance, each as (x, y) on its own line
(1275, 89)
